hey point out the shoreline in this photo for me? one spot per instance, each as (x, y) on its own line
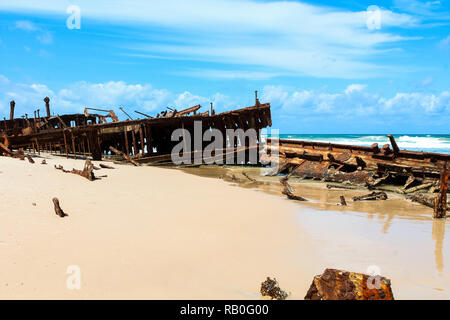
(147, 233)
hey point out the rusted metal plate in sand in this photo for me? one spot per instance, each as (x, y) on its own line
(310, 169)
(343, 285)
(358, 177)
(344, 156)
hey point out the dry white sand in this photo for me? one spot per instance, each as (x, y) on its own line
(143, 233)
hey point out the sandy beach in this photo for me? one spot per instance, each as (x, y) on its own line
(156, 233)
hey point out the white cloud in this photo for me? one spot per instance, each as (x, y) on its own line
(427, 81)
(43, 36)
(355, 101)
(25, 25)
(354, 88)
(113, 94)
(352, 103)
(445, 43)
(287, 36)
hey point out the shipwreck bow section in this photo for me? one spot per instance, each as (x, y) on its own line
(146, 139)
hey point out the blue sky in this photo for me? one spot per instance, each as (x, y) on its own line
(323, 66)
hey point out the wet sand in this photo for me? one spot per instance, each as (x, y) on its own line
(154, 233)
(396, 236)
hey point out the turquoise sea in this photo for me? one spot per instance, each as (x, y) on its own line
(439, 143)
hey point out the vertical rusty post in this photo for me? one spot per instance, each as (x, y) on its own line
(148, 138)
(127, 149)
(440, 202)
(65, 144)
(134, 142)
(94, 144)
(38, 147)
(47, 105)
(34, 123)
(141, 137)
(73, 145)
(12, 105)
(184, 138)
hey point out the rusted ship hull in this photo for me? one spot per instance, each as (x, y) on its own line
(143, 138)
(366, 166)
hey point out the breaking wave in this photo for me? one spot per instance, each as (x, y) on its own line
(427, 143)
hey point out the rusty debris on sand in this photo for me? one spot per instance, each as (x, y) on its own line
(336, 284)
(271, 288)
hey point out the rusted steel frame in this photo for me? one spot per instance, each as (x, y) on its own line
(38, 147)
(440, 202)
(135, 150)
(148, 138)
(401, 153)
(141, 137)
(125, 134)
(188, 110)
(168, 157)
(343, 285)
(141, 113)
(73, 145)
(61, 121)
(427, 167)
(53, 134)
(126, 157)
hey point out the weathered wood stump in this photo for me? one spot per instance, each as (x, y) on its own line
(343, 285)
(58, 209)
(343, 202)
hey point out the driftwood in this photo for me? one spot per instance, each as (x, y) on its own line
(289, 191)
(271, 288)
(58, 209)
(126, 157)
(422, 186)
(343, 285)
(372, 196)
(19, 155)
(341, 186)
(87, 171)
(105, 166)
(245, 174)
(30, 159)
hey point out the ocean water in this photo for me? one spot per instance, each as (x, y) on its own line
(417, 142)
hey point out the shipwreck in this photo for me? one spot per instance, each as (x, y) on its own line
(417, 175)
